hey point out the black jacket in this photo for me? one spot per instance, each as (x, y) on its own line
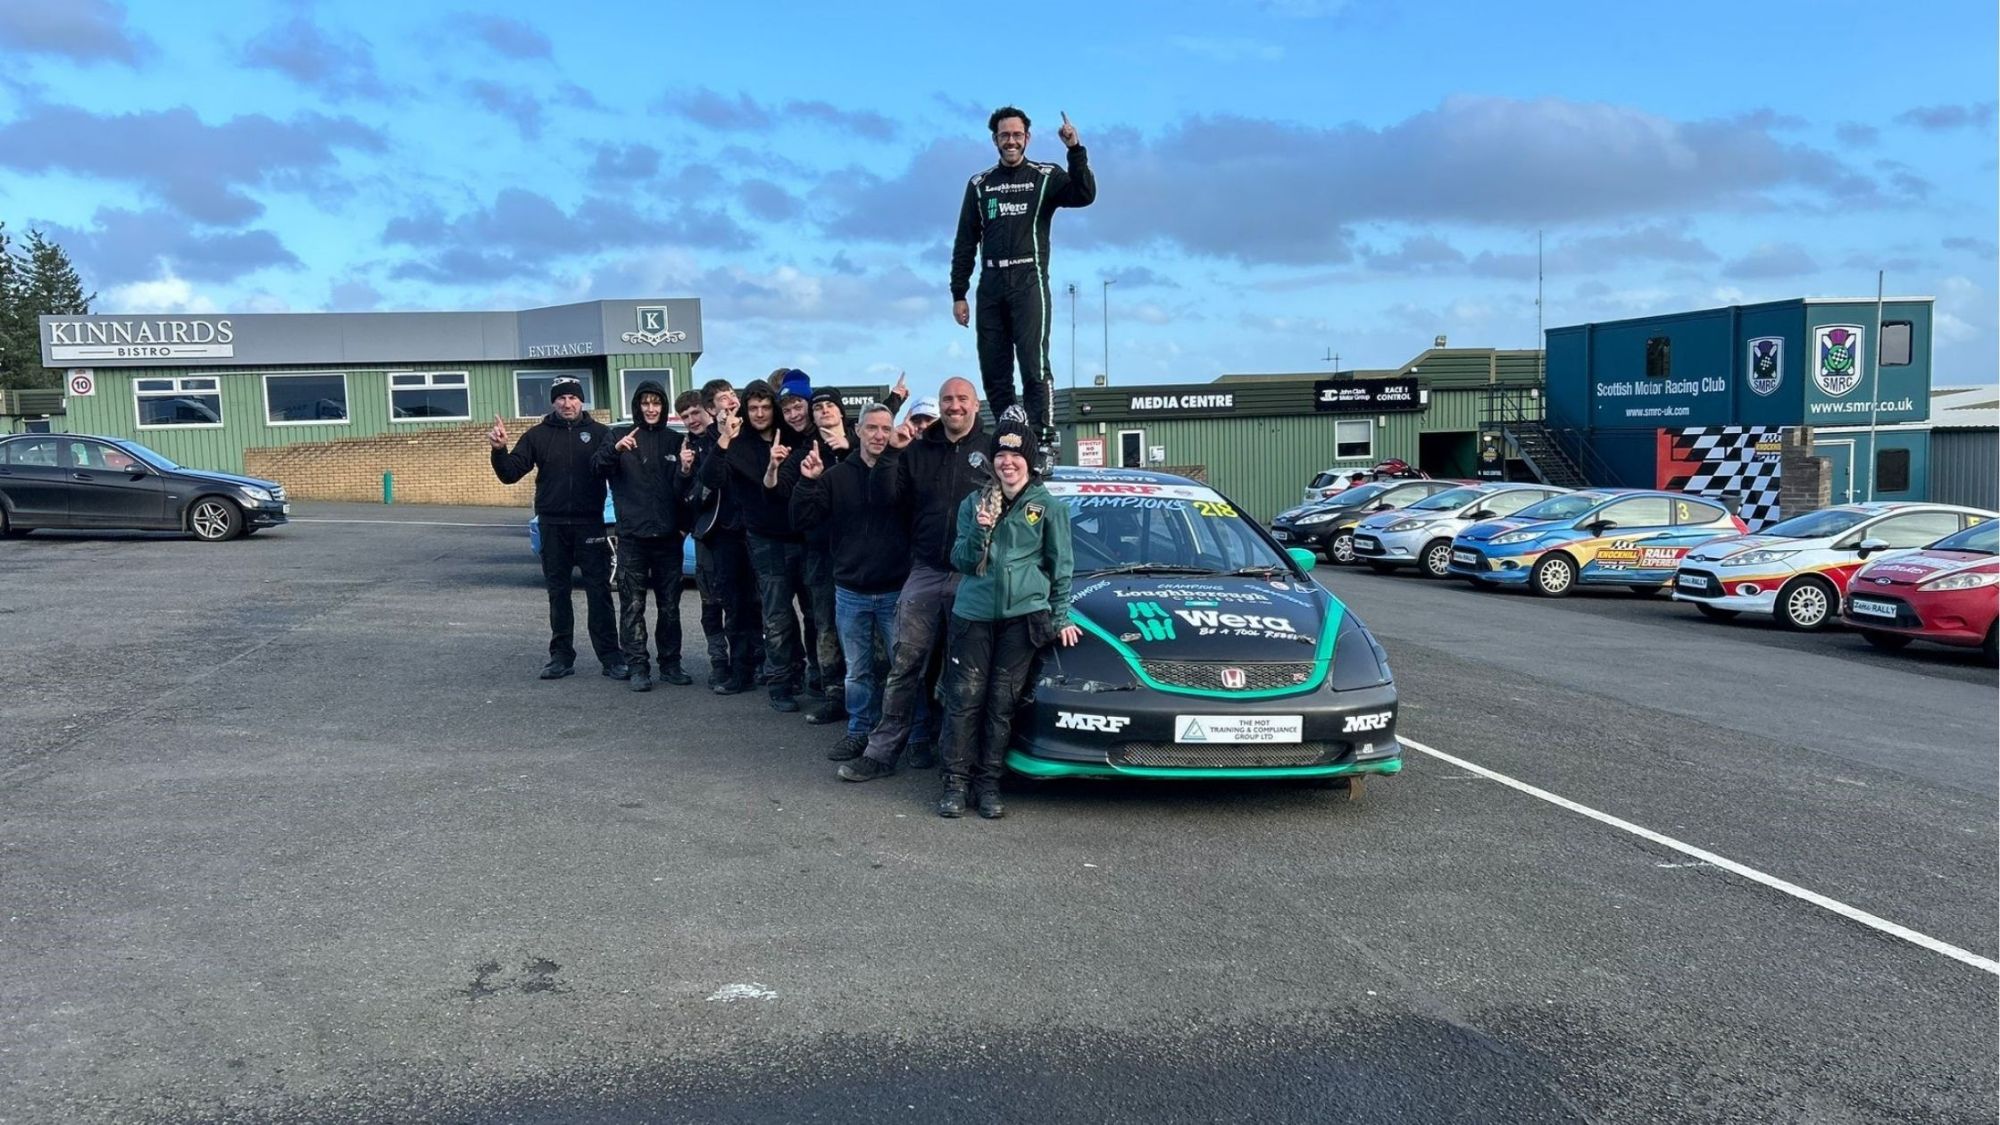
(558, 453)
(925, 482)
(711, 491)
(763, 508)
(869, 543)
(1006, 211)
(647, 486)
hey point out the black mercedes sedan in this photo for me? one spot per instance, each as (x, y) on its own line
(79, 481)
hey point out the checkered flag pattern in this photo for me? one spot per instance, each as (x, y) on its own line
(1713, 460)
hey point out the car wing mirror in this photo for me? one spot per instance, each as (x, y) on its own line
(1870, 546)
(1301, 557)
(1599, 527)
(1481, 514)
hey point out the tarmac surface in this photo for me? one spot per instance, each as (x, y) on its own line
(289, 832)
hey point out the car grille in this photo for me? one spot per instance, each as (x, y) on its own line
(1207, 675)
(1906, 618)
(1228, 755)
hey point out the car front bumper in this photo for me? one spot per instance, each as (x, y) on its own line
(269, 513)
(1312, 535)
(1711, 586)
(1475, 562)
(1380, 546)
(1956, 618)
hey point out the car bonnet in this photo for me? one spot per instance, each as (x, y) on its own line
(1209, 618)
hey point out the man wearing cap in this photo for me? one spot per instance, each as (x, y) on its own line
(569, 503)
(1012, 545)
(1003, 223)
(649, 467)
(923, 412)
(922, 480)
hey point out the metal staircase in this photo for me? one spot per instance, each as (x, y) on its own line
(1558, 457)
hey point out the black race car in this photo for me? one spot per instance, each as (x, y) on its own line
(1208, 651)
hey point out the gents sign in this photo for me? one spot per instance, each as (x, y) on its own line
(1366, 396)
(1202, 402)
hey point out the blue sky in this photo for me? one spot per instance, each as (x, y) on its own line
(1278, 179)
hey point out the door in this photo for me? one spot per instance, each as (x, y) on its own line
(1839, 469)
(31, 476)
(111, 488)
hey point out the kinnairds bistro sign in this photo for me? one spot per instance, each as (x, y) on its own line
(72, 341)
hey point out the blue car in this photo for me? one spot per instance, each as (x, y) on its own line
(1598, 537)
(611, 520)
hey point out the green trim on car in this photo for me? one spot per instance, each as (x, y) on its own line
(1043, 767)
(1322, 659)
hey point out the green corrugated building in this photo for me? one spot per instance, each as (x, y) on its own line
(1262, 438)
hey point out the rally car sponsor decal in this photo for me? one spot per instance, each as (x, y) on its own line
(1081, 720)
(1239, 728)
(1631, 554)
(1357, 723)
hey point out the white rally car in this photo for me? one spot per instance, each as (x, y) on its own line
(1797, 569)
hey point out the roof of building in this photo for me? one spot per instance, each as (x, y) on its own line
(1965, 408)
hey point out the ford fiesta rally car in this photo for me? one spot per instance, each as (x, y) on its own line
(1207, 650)
(1948, 593)
(1603, 536)
(1421, 534)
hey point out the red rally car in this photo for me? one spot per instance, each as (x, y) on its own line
(1948, 593)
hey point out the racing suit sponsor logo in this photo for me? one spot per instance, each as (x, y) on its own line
(1079, 720)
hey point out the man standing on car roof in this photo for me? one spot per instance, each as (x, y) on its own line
(649, 467)
(1003, 221)
(569, 502)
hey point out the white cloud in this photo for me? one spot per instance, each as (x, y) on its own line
(165, 294)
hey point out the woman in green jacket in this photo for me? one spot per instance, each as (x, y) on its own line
(1013, 547)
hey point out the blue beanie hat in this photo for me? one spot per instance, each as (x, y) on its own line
(796, 384)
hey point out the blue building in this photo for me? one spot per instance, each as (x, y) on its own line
(1699, 400)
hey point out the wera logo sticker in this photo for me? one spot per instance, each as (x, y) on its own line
(1152, 622)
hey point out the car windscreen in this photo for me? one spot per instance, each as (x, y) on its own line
(1111, 531)
(1983, 537)
(1357, 496)
(1447, 500)
(1823, 524)
(1565, 507)
(148, 456)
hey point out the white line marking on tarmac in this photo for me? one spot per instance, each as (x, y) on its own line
(1851, 913)
(401, 523)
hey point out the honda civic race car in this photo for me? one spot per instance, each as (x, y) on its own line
(1207, 650)
(1600, 537)
(1796, 569)
(1328, 527)
(1421, 534)
(1948, 593)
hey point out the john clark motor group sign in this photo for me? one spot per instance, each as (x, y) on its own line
(71, 340)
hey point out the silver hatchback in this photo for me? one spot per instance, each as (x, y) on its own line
(1420, 535)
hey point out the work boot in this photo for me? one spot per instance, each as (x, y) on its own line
(641, 680)
(952, 804)
(730, 685)
(674, 674)
(829, 712)
(864, 768)
(557, 668)
(1014, 413)
(989, 804)
(783, 700)
(922, 754)
(848, 748)
(617, 670)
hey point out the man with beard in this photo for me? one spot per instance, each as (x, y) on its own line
(1003, 222)
(569, 503)
(870, 552)
(922, 480)
(722, 552)
(648, 467)
(755, 451)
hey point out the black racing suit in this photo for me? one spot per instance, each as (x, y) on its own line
(1004, 222)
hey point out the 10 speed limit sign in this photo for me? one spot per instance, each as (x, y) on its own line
(82, 382)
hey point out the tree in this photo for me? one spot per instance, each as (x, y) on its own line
(38, 280)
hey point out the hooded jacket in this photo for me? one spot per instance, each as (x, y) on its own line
(926, 481)
(1020, 565)
(559, 453)
(647, 486)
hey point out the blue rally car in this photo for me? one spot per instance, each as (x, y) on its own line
(1598, 537)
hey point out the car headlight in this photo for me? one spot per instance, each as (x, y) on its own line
(1323, 517)
(1408, 525)
(1513, 537)
(255, 493)
(1960, 582)
(1757, 558)
(1358, 660)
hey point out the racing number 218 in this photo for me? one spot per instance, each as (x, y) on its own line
(1215, 509)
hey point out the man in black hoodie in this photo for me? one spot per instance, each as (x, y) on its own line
(649, 467)
(569, 502)
(722, 553)
(922, 479)
(754, 453)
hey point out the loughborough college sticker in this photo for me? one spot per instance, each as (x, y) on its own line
(1766, 364)
(1836, 362)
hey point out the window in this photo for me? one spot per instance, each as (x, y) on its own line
(429, 396)
(1892, 470)
(190, 401)
(1659, 357)
(1507, 503)
(628, 384)
(1353, 438)
(36, 452)
(1697, 513)
(1131, 449)
(531, 391)
(97, 455)
(1640, 511)
(1895, 344)
(1913, 530)
(319, 397)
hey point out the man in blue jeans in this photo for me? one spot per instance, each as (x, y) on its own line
(870, 548)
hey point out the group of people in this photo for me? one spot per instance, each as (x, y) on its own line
(901, 577)
(871, 566)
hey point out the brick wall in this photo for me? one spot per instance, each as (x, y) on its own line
(1805, 482)
(446, 465)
